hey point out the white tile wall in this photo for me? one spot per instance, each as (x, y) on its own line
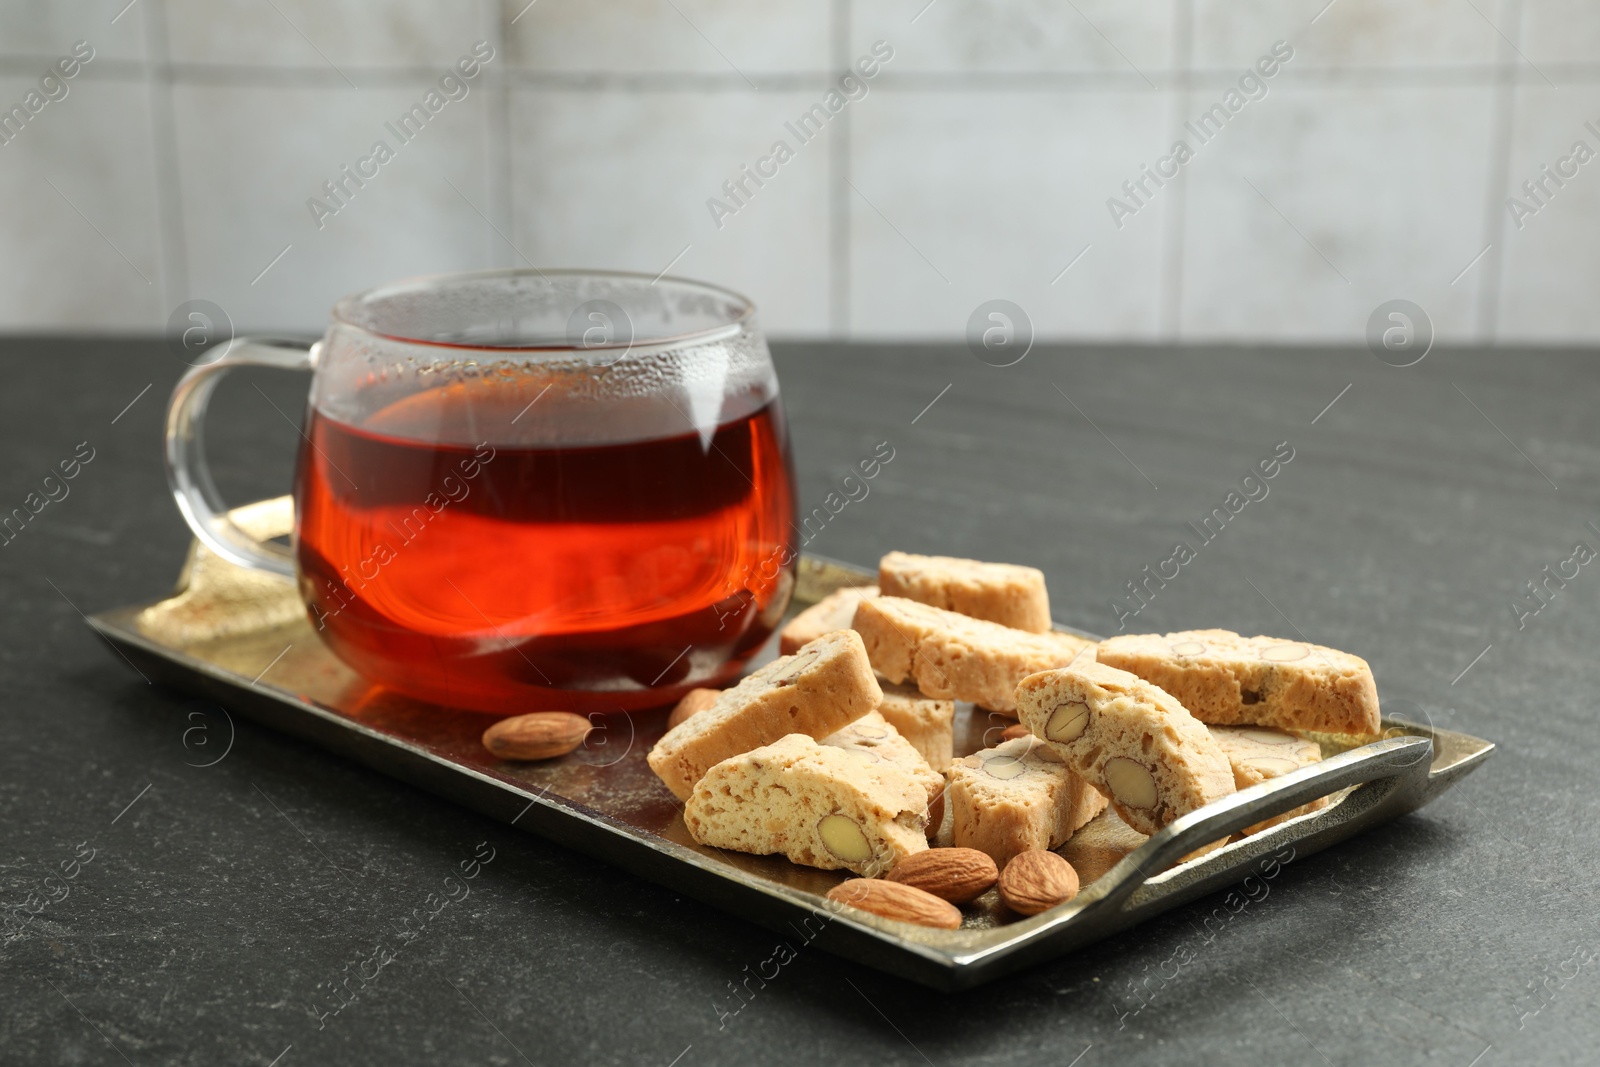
(615, 179)
(46, 31)
(1019, 36)
(78, 231)
(977, 164)
(249, 159)
(1287, 224)
(1551, 260)
(962, 197)
(1356, 36)
(638, 37)
(1559, 31)
(336, 34)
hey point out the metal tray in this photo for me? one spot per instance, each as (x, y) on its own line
(241, 639)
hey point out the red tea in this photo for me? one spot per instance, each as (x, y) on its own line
(457, 546)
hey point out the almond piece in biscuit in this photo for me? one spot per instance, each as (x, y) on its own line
(819, 690)
(817, 804)
(832, 612)
(952, 656)
(1128, 739)
(927, 723)
(1015, 797)
(1258, 754)
(1228, 680)
(999, 592)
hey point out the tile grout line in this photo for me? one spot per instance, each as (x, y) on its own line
(839, 174)
(1480, 76)
(1483, 75)
(1174, 215)
(171, 239)
(1502, 120)
(502, 205)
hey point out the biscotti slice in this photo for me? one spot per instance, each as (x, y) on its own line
(874, 739)
(819, 690)
(1017, 796)
(951, 656)
(1100, 846)
(1228, 680)
(927, 723)
(832, 612)
(1129, 739)
(817, 804)
(1258, 754)
(999, 592)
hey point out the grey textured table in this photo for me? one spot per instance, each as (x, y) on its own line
(209, 907)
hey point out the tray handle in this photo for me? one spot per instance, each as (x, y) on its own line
(1391, 758)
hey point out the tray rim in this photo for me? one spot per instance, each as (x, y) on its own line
(941, 959)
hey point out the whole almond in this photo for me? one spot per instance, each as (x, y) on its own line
(895, 900)
(541, 735)
(1014, 731)
(954, 874)
(693, 703)
(1036, 881)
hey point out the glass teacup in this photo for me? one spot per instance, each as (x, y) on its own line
(522, 490)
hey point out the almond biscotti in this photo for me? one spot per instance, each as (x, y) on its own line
(999, 592)
(832, 612)
(1100, 846)
(874, 739)
(951, 656)
(1127, 738)
(1015, 797)
(1258, 754)
(819, 805)
(1228, 680)
(927, 723)
(819, 690)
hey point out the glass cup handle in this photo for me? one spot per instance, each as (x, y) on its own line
(187, 472)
